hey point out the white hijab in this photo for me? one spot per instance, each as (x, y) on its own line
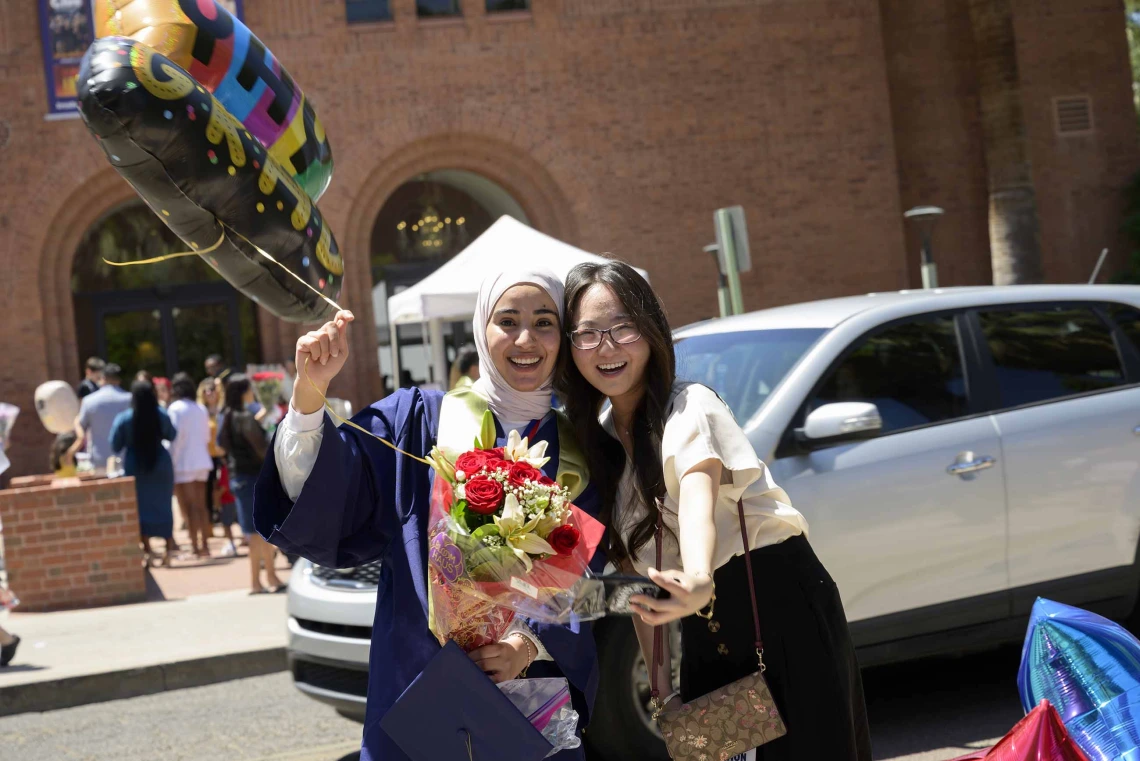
(514, 409)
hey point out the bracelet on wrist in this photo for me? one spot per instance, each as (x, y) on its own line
(530, 648)
(711, 606)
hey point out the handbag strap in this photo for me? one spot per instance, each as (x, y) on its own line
(659, 631)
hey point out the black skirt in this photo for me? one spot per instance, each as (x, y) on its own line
(812, 669)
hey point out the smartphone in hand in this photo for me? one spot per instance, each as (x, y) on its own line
(620, 587)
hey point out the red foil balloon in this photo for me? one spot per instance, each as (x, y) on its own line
(1040, 736)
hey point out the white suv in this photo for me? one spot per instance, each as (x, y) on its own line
(957, 453)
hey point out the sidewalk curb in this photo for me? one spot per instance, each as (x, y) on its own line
(129, 683)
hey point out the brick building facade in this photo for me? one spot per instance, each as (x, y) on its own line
(618, 126)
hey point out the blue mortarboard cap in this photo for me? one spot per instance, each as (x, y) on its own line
(453, 711)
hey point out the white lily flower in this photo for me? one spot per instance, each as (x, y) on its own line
(516, 451)
(518, 532)
(547, 523)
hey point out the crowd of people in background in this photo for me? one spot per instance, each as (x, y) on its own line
(200, 443)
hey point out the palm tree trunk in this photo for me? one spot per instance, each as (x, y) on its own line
(1015, 247)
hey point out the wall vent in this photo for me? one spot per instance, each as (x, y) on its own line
(1072, 115)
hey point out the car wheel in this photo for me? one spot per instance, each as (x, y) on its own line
(621, 728)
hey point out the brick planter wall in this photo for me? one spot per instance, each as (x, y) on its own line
(71, 543)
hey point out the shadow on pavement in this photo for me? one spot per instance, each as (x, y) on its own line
(953, 702)
(18, 668)
(153, 591)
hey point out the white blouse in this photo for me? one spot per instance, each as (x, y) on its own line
(701, 427)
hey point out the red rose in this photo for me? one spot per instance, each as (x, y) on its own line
(564, 539)
(484, 495)
(546, 481)
(495, 461)
(521, 472)
(472, 462)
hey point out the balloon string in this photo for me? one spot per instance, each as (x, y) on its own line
(302, 281)
(339, 419)
(157, 259)
(290, 272)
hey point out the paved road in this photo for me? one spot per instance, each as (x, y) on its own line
(926, 711)
(258, 719)
(938, 709)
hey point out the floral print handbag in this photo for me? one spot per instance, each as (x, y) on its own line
(728, 721)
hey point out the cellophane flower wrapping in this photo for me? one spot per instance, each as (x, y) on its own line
(546, 705)
(505, 540)
(268, 382)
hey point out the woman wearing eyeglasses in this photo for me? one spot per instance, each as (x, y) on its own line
(676, 445)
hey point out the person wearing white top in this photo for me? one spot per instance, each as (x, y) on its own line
(190, 452)
(672, 452)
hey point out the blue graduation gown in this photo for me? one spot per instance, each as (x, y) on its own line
(365, 502)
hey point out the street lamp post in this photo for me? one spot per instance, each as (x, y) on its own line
(925, 217)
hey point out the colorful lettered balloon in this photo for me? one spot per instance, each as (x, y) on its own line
(222, 55)
(209, 179)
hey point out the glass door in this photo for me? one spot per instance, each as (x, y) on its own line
(134, 342)
(199, 331)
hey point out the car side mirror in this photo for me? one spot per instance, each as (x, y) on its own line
(839, 422)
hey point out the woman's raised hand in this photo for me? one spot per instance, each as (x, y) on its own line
(688, 593)
(320, 356)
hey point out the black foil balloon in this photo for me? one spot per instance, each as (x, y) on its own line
(206, 177)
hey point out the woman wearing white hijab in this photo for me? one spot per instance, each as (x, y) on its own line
(341, 499)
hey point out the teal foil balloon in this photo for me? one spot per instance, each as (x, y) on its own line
(1088, 668)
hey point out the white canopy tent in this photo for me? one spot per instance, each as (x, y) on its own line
(450, 292)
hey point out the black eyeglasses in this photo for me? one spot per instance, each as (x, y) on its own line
(591, 338)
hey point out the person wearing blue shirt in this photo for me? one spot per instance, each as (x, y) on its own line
(97, 413)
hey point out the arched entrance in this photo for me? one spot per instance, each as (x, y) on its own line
(163, 318)
(513, 169)
(428, 219)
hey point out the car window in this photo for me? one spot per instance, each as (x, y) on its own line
(1049, 352)
(911, 371)
(743, 367)
(1128, 318)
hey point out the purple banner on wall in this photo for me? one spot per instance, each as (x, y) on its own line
(67, 29)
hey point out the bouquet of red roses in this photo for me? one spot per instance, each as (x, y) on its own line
(504, 539)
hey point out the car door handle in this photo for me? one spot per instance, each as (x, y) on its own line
(971, 466)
